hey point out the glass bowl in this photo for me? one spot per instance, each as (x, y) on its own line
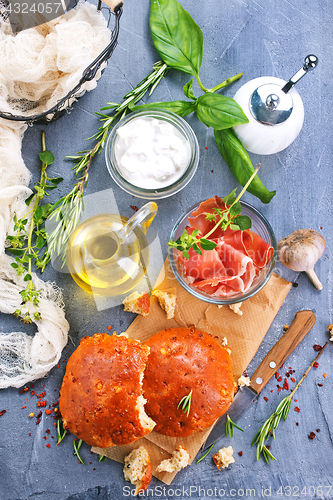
(260, 225)
(163, 192)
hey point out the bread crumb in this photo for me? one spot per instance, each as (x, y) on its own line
(243, 381)
(223, 458)
(224, 342)
(236, 308)
(179, 459)
(138, 304)
(138, 469)
(167, 302)
(330, 329)
(123, 334)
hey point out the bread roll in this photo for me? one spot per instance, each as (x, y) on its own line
(101, 398)
(183, 360)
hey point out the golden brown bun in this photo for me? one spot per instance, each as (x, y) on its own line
(181, 360)
(101, 395)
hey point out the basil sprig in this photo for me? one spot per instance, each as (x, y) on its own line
(179, 42)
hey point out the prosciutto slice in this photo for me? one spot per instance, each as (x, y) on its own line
(232, 266)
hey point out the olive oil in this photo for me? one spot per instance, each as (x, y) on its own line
(101, 261)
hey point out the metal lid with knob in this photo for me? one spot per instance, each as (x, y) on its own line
(274, 109)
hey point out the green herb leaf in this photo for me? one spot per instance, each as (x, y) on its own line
(243, 221)
(181, 108)
(38, 212)
(56, 180)
(14, 265)
(230, 198)
(40, 242)
(15, 251)
(188, 91)
(196, 248)
(207, 244)
(177, 38)
(235, 209)
(46, 157)
(27, 277)
(29, 199)
(219, 111)
(185, 403)
(240, 164)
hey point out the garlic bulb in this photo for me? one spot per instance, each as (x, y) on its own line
(300, 251)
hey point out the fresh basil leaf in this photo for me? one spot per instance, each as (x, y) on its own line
(196, 249)
(219, 111)
(181, 108)
(230, 198)
(235, 209)
(46, 157)
(240, 164)
(207, 244)
(177, 38)
(188, 91)
(243, 221)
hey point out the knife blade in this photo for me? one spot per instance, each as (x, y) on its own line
(299, 328)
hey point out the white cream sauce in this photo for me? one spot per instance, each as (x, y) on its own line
(151, 153)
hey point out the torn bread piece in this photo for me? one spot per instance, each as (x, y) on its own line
(138, 469)
(223, 458)
(138, 304)
(244, 381)
(179, 459)
(236, 308)
(167, 302)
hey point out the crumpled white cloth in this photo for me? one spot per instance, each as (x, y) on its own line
(43, 59)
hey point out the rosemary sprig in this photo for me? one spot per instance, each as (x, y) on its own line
(205, 455)
(67, 211)
(185, 403)
(77, 446)
(224, 218)
(61, 432)
(229, 427)
(102, 458)
(27, 244)
(282, 410)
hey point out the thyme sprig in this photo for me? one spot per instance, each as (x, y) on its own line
(27, 244)
(229, 427)
(223, 217)
(282, 411)
(185, 403)
(68, 210)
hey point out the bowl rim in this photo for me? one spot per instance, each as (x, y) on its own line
(166, 191)
(206, 297)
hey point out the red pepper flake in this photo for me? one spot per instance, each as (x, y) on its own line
(295, 400)
(272, 390)
(32, 393)
(54, 423)
(324, 375)
(58, 366)
(37, 421)
(295, 285)
(316, 364)
(317, 347)
(32, 386)
(240, 453)
(268, 447)
(317, 430)
(48, 445)
(297, 409)
(94, 468)
(271, 433)
(288, 374)
(279, 379)
(135, 208)
(206, 148)
(47, 431)
(29, 433)
(266, 399)
(48, 412)
(109, 327)
(320, 385)
(279, 389)
(39, 414)
(23, 407)
(44, 437)
(277, 375)
(293, 380)
(2, 412)
(297, 424)
(21, 391)
(26, 389)
(212, 171)
(281, 366)
(312, 435)
(286, 385)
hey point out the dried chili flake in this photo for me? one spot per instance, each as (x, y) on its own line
(23, 407)
(32, 386)
(293, 380)
(39, 414)
(279, 389)
(320, 385)
(317, 430)
(317, 347)
(295, 400)
(297, 409)
(240, 453)
(286, 385)
(297, 424)
(134, 207)
(279, 379)
(268, 447)
(48, 412)
(37, 421)
(295, 285)
(44, 437)
(272, 390)
(315, 365)
(287, 374)
(47, 431)
(21, 391)
(324, 375)
(266, 399)
(312, 435)
(109, 327)
(2, 412)
(32, 393)
(277, 375)
(26, 389)
(48, 445)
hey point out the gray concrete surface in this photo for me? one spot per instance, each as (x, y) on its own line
(262, 37)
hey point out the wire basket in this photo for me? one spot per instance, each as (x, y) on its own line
(88, 74)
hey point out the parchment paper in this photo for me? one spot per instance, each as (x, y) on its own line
(243, 333)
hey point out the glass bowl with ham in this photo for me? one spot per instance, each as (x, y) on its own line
(237, 268)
